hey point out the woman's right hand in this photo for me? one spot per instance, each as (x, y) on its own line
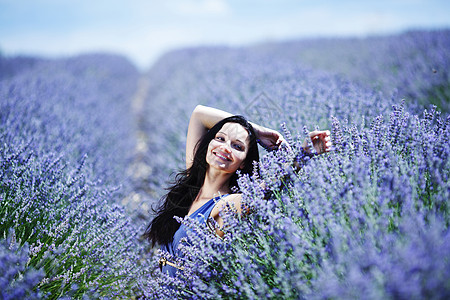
(320, 140)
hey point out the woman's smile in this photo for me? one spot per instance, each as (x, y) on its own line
(222, 156)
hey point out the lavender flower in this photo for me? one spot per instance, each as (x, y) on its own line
(17, 280)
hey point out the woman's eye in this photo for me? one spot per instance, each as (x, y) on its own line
(219, 138)
(238, 147)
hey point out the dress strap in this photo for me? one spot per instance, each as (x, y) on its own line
(202, 214)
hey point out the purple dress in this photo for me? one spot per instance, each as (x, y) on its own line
(202, 215)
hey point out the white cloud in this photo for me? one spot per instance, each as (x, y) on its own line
(199, 7)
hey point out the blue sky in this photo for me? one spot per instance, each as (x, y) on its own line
(145, 29)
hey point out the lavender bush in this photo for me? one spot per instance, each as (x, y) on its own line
(17, 281)
(11, 66)
(414, 64)
(367, 221)
(65, 143)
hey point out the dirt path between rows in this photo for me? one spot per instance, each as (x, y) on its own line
(137, 202)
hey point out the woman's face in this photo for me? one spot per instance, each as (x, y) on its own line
(228, 150)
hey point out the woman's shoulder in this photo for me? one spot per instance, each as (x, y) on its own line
(232, 201)
(231, 197)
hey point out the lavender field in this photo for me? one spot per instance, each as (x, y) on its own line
(88, 145)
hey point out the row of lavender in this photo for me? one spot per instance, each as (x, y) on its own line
(416, 67)
(369, 220)
(65, 144)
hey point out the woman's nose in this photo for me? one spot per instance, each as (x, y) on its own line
(226, 147)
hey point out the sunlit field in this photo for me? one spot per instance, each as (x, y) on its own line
(88, 145)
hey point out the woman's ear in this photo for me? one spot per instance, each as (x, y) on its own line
(242, 166)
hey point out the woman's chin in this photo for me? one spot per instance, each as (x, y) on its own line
(221, 166)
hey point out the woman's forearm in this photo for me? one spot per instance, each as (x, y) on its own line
(209, 116)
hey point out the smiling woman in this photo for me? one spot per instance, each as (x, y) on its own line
(218, 145)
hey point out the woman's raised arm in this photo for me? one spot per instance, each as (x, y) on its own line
(203, 118)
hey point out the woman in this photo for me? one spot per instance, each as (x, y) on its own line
(218, 144)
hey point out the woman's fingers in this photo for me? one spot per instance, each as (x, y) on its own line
(321, 140)
(273, 140)
(283, 143)
(322, 133)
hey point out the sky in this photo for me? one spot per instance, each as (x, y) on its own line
(143, 30)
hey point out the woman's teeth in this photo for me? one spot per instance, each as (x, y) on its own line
(221, 156)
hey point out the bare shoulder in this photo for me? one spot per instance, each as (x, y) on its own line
(232, 200)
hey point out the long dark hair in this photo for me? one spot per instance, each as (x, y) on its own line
(187, 184)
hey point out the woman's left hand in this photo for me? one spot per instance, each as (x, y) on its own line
(321, 141)
(269, 138)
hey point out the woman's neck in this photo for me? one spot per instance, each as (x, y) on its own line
(216, 183)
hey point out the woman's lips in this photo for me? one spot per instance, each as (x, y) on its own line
(221, 156)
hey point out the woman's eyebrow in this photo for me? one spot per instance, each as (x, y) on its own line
(227, 135)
